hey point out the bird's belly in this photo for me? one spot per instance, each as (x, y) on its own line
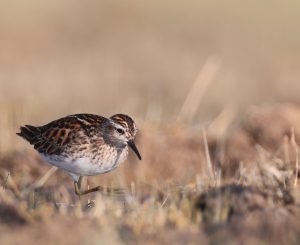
(85, 166)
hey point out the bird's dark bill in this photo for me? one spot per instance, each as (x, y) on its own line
(134, 148)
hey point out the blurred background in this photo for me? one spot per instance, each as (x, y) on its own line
(143, 58)
(214, 89)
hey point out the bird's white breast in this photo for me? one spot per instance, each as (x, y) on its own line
(88, 165)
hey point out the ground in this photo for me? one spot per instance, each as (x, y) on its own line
(207, 84)
(243, 190)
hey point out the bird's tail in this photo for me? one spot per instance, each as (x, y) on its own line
(30, 133)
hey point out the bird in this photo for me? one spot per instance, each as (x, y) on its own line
(84, 144)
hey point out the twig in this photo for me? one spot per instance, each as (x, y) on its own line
(296, 148)
(163, 203)
(197, 91)
(207, 155)
(44, 179)
(6, 179)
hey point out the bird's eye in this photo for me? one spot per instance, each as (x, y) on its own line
(120, 131)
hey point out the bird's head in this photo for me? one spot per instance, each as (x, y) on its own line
(122, 130)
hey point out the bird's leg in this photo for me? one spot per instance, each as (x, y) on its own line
(77, 185)
(79, 192)
(80, 182)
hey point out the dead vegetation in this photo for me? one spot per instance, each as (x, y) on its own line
(215, 169)
(256, 200)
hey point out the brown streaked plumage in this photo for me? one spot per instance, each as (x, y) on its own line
(84, 144)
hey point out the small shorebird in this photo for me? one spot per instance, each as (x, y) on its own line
(84, 144)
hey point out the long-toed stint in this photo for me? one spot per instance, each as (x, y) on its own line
(84, 144)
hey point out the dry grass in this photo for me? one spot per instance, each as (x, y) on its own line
(179, 201)
(216, 168)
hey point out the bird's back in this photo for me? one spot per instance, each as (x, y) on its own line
(59, 135)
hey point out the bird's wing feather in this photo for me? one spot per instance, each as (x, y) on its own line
(56, 136)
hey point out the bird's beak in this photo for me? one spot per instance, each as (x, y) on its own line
(134, 148)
